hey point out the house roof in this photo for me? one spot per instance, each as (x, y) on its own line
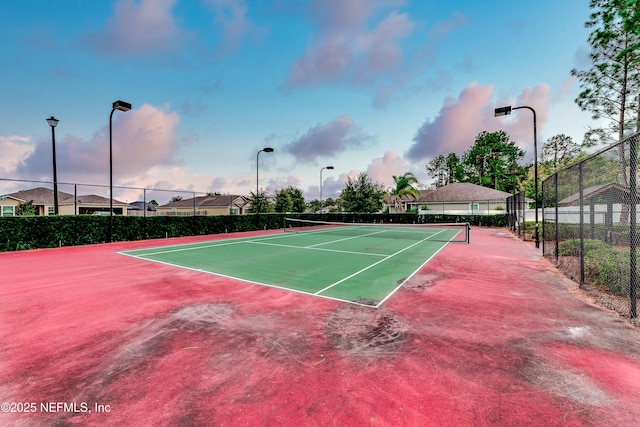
(140, 205)
(44, 196)
(39, 195)
(600, 193)
(91, 199)
(462, 192)
(208, 202)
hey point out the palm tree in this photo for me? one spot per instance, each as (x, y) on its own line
(404, 187)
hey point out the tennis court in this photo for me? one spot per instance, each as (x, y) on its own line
(357, 263)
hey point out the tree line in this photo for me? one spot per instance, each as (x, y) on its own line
(359, 195)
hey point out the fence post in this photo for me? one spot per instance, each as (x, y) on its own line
(543, 228)
(633, 195)
(557, 227)
(581, 196)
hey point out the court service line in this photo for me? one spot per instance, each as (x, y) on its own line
(346, 238)
(317, 249)
(374, 264)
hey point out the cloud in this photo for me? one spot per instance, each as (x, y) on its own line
(564, 89)
(456, 126)
(441, 29)
(230, 16)
(460, 120)
(347, 47)
(519, 125)
(327, 140)
(14, 150)
(383, 169)
(142, 139)
(380, 170)
(138, 27)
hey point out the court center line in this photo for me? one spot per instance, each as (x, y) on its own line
(317, 249)
(374, 264)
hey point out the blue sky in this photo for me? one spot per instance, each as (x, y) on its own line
(380, 86)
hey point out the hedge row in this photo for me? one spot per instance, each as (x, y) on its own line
(31, 232)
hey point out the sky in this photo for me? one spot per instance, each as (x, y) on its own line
(376, 86)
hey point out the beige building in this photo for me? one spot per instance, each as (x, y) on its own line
(459, 199)
(43, 202)
(206, 205)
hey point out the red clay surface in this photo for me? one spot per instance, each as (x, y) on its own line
(486, 334)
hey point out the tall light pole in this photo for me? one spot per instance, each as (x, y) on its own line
(503, 111)
(266, 150)
(53, 122)
(326, 167)
(124, 107)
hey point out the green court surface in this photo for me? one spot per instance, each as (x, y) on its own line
(361, 265)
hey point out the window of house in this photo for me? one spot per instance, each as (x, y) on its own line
(234, 211)
(474, 207)
(51, 210)
(7, 211)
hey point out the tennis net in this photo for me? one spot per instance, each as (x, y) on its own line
(439, 232)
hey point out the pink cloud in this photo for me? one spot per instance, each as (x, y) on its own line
(321, 63)
(384, 168)
(457, 124)
(14, 150)
(347, 47)
(143, 138)
(138, 27)
(146, 137)
(460, 120)
(519, 124)
(381, 46)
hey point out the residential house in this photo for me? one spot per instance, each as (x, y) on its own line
(140, 208)
(43, 202)
(459, 199)
(206, 205)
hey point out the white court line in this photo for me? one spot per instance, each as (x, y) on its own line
(317, 249)
(196, 246)
(346, 238)
(374, 264)
(409, 277)
(284, 288)
(192, 246)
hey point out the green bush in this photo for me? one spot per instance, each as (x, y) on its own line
(572, 247)
(608, 267)
(604, 265)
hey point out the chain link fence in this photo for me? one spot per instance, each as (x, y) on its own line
(516, 213)
(93, 199)
(589, 225)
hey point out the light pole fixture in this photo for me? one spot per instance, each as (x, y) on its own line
(124, 107)
(326, 167)
(266, 150)
(53, 122)
(503, 111)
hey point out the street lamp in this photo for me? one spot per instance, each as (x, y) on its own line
(266, 150)
(503, 111)
(53, 122)
(124, 107)
(326, 167)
